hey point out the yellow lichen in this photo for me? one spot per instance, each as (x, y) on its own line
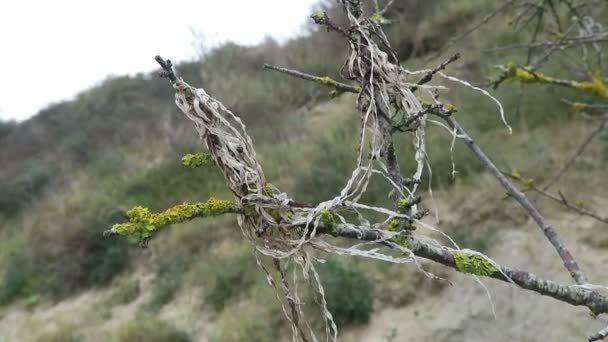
(376, 17)
(517, 73)
(528, 183)
(597, 85)
(197, 159)
(326, 80)
(327, 217)
(268, 189)
(393, 226)
(474, 264)
(142, 223)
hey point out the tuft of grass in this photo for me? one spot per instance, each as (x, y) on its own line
(246, 323)
(150, 330)
(125, 293)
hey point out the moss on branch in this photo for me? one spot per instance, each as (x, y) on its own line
(143, 223)
(195, 160)
(474, 264)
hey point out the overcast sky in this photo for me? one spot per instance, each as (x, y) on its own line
(51, 50)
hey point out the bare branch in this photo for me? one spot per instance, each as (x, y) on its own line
(548, 230)
(576, 154)
(324, 80)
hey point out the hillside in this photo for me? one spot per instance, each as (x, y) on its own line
(74, 169)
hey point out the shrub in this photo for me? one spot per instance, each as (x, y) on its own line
(231, 279)
(348, 292)
(150, 330)
(168, 280)
(15, 273)
(18, 192)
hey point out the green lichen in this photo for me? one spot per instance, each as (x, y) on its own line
(597, 85)
(268, 189)
(195, 160)
(358, 89)
(278, 214)
(318, 16)
(376, 17)
(327, 80)
(143, 223)
(393, 226)
(449, 107)
(249, 211)
(474, 264)
(333, 93)
(327, 217)
(517, 73)
(528, 183)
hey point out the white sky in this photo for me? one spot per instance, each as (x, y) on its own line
(51, 50)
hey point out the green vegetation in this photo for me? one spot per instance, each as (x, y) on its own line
(474, 264)
(124, 293)
(348, 292)
(150, 330)
(15, 271)
(233, 278)
(23, 189)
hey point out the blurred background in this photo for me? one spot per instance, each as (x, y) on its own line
(89, 130)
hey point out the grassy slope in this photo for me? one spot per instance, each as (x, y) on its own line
(74, 169)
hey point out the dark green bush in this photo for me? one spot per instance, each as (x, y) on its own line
(168, 280)
(18, 192)
(75, 255)
(231, 279)
(348, 292)
(15, 273)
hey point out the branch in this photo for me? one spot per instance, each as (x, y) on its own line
(429, 76)
(548, 230)
(563, 201)
(167, 69)
(551, 234)
(528, 184)
(324, 80)
(463, 261)
(576, 154)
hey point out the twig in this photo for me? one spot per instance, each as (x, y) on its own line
(327, 81)
(563, 201)
(471, 30)
(429, 76)
(528, 184)
(548, 230)
(167, 69)
(576, 154)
